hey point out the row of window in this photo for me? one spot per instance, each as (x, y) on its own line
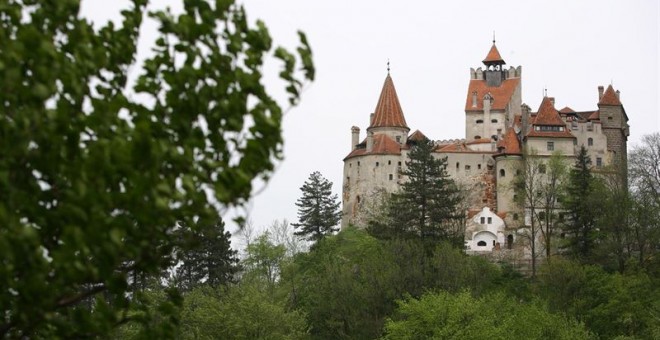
(480, 121)
(350, 165)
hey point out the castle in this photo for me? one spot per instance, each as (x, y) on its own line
(498, 127)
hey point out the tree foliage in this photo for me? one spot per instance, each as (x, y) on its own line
(426, 205)
(318, 209)
(206, 257)
(444, 315)
(93, 181)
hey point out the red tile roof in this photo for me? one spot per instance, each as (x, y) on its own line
(509, 144)
(547, 114)
(388, 111)
(555, 134)
(383, 145)
(417, 136)
(609, 97)
(567, 110)
(595, 115)
(501, 95)
(493, 56)
(460, 147)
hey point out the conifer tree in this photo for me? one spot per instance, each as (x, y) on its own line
(579, 201)
(428, 200)
(206, 257)
(318, 209)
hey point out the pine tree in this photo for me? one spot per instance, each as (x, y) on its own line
(211, 262)
(318, 209)
(579, 203)
(428, 201)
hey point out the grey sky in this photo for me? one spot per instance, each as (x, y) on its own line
(569, 47)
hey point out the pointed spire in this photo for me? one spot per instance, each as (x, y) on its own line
(609, 97)
(388, 111)
(547, 114)
(493, 57)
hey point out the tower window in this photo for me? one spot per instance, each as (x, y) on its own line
(515, 217)
(391, 177)
(458, 165)
(590, 141)
(479, 166)
(398, 139)
(477, 137)
(389, 162)
(399, 163)
(551, 146)
(599, 162)
(377, 163)
(358, 163)
(493, 120)
(502, 173)
(467, 167)
(479, 121)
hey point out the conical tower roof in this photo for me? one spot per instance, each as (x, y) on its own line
(609, 97)
(388, 111)
(493, 56)
(509, 144)
(547, 114)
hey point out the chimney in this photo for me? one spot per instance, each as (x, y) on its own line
(525, 119)
(600, 92)
(474, 99)
(618, 94)
(355, 137)
(487, 101)
(370, 141)
(552, 100)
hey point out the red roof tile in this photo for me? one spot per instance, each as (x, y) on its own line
(594, 116)
(501, 95)
(567, 110)
(509, 144)
(493, 56)
(388, 111)
(479, 141)
(609, 97)
(460, 147)
(555, 134)
(548, 115)
(417, 136)
(383, 145)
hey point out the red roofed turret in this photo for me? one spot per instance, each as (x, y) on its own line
(609, 97)
(388, 111)
(493, 57)
(548, 115)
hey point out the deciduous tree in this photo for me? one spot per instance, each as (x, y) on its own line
(93, 181)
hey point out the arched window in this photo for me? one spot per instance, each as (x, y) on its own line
(477, 137)
(481, 243)
(590, 141)
(502, 173)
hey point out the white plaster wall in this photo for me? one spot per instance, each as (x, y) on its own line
(512, 166)
(477, 231)
(540, 145)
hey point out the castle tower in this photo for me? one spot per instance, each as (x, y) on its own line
(549, 133)
(493, 98)
(614, 122)
(372, 167)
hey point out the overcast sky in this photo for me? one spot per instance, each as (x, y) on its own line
(569, 47)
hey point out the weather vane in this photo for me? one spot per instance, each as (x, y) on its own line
(388, 65)
(493, 36)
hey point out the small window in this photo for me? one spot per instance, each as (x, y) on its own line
(483, 220)
(481, 243)
(358, 199)
(609, 118)
(358, 163)
(399, 163)
(350, 165)
(377, 163)
(574, 142)
(493, 120)
(348, 178)
(551, 146)
(479, 121)
(599, 162)
(509, 241)
(391, 177)
(502, 173)
(389, 162)
(477, 137)
(541, 168)
(515, 217)
(490, 220)
(398, 139)
(458, 165)
(518, 172)
(478, 166)
(467, 167)
(590, 141)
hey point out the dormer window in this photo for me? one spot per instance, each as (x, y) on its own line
(550, 128)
